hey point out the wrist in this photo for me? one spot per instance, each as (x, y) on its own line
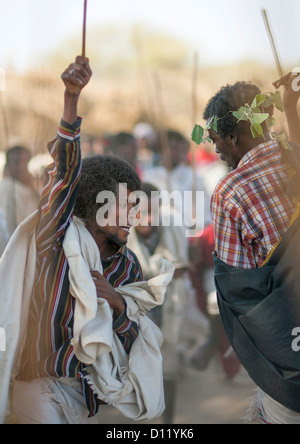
(120, 307)
(72, 95)
(70, 107)
(290, 106)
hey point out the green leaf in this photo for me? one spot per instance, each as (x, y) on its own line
(285, 144)
(268, 102)
(242, 113)
(211, 122)
(257, 131)
(197, 134)
(259, 117)
(270, 123)
(276, 99)
(207, 139)
(258, 100)
(215, 127)
(283, 140)
(256, 109)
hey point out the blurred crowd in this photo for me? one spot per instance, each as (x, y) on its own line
(189, 318)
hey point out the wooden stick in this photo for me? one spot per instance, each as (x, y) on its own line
(84, 29)
(5, 122)
(275, 52)
(146, 85)
(194, 117)
(165, 147)
(194, 92)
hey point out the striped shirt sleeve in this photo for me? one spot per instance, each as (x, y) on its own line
(126, 330)
(60, 191)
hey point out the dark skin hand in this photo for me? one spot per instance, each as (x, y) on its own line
(107, 292)
(75, 78)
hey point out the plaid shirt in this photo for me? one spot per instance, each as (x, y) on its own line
(250, 208)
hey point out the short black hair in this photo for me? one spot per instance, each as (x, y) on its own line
(13, 152)
(121, 139)
(230, 98)
(102, 173)
(149, 188)
(175, 135)
(13, 158)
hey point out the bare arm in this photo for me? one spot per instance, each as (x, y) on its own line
(290, 102)
(60, 191)
(75, 78)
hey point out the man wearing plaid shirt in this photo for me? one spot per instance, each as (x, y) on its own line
(250, 207)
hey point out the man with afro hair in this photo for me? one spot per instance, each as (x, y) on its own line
(107, 174)
(71, 190)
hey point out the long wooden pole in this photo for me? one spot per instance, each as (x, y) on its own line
(194, 117)
(146, 85)
(272, 41)
(5, 122)
(84, 29)
(165, 147)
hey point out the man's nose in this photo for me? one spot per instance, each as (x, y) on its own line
(132, 214)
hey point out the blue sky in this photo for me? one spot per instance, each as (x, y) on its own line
(222, 31)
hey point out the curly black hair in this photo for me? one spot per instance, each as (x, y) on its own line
(231, 98)
(102, 173)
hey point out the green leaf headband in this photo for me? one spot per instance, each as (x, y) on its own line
(254, 114)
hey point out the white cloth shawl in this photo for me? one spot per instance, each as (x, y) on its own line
(17, 277)
(133, 384)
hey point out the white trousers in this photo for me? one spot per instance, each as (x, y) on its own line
(50, 401)
(274, 413)
(265, 410)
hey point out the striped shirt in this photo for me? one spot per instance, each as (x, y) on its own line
(250, 207)
(48, 351)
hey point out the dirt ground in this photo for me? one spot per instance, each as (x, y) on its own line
(203, 398)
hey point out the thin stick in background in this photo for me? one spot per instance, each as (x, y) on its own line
(146, 84)
(165, 147)
(273, 45)
(84, 29)
(194, 117)
(6, 129)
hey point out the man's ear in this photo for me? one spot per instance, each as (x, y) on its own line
(232, 140)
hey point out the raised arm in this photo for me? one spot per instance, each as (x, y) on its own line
(290, 101)
(75, 78)
(60, 192)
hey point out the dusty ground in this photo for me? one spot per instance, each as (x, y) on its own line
(203, 398)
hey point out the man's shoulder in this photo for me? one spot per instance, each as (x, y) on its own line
(131, 256)
(229, 184)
